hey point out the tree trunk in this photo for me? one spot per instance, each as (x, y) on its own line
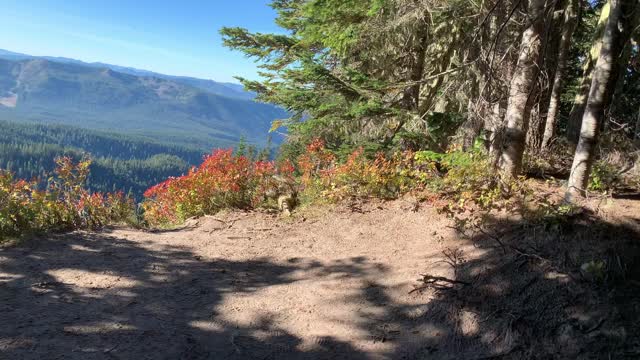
(617, 98)
(536, 124)
(636, 135)
(580, 102)
(635, 41)
(411, 96)
(521, 88)
(570, 17)
(493, 124)
(624, 69)
(602, 86)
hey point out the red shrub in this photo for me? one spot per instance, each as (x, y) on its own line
(223, 180)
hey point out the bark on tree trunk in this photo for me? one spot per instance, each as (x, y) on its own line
(636, 135)
(570, 17)
(536, 125)
(580, 102)
(522, 85)
(602, 86)
(618, 90)
(631, 38)
(493, 124)
(411, 97)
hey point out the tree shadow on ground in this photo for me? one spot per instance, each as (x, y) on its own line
(142, 304)
(558, 288)
(524, 297)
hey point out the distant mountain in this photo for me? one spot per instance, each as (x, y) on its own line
(164, 108)
(219, 88)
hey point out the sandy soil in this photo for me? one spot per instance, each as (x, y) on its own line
(335, 285)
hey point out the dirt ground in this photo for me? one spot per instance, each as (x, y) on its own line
(332, 285)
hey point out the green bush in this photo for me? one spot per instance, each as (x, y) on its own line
(604, 177)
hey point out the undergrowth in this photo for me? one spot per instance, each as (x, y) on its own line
(64, 205)
(462, 180)
(462, 184)
(222, 181)
(616, 168)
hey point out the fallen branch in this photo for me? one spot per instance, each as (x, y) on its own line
(437, 282)
(228, 223)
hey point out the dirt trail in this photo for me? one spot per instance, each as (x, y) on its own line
(246, 286)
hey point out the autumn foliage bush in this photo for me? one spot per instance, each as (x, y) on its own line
(226, 180)
(63, 205)
(223, 180)
(325, 178)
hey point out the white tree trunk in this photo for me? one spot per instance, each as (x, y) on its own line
(602, 85)
(580, 102)
(521, 87)
(570, 16)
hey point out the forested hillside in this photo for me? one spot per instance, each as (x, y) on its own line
(46, 91)
(121, 162)
(139, 127)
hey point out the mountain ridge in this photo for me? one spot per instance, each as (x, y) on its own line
(69, 93)
(220, 88)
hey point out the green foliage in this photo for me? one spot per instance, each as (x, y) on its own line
(581, 44)
(594, 270)
(441, 127)
(604, 176)
(363, 71)
(549, 215)
(300, 69)
(466, 181)
(368, 149)
(451, 160)
(411, 140)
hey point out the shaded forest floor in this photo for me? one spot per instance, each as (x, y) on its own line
(335, 284)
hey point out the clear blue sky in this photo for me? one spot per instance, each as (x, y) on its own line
(178, 37)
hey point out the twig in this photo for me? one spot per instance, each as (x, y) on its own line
(481, 230)
(228, 223)
(526, 254)
(432, 281)
(106, 351)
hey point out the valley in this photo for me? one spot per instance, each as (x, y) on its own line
(120, 162)
(138, 126)
(168, 109)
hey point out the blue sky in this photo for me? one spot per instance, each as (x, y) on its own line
(178, 37)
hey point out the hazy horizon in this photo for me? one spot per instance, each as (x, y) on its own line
(53, 57)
